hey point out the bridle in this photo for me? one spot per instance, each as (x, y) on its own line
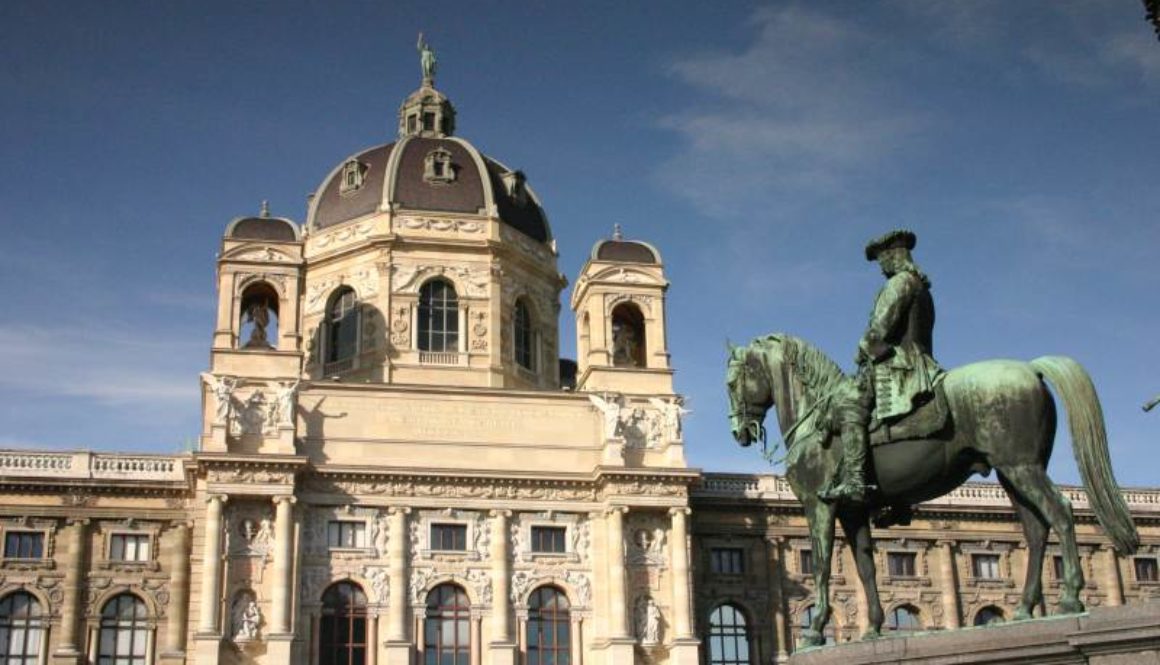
(750, 416)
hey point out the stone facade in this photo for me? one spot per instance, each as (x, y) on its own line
(396, 465)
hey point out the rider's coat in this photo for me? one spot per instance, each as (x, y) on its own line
(899, 342)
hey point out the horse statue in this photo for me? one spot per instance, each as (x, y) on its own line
(1002, 417)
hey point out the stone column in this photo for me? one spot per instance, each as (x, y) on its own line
(284, 585)
(950, 585)
(398, 649)
(617, 611)
(503, 648)
(179, 589)
(679, 540)
(74, 571)
(777, 597)
(1112, 577)
(211, 576)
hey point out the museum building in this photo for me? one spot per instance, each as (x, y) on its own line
(397, 466)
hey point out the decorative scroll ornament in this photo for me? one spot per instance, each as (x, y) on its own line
(473, 281)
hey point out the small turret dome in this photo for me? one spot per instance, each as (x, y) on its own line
(263, 227)
(619, 250)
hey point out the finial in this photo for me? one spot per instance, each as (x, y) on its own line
(265, 208)
(427, 61)
(616, 234)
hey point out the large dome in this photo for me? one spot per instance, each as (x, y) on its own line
(433, 174)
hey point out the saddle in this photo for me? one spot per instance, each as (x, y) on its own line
(926, 420)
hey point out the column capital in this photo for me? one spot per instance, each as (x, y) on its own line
(946, 543)
(611, 510)
(288, 498)
(399, 510)
(76, 521)
(682, 510)
(501, 512)
(220, 498)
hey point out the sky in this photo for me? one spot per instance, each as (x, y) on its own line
(757, 145)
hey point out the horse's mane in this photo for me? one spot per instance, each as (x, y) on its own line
(817, 372)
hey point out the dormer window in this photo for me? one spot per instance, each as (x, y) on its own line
(437, 167)
(353, 173)
(412, 123)
(428, 121)
(514, 182)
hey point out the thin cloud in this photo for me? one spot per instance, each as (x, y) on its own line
(113, 368)
(802, 108)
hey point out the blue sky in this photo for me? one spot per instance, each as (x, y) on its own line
(758, 145)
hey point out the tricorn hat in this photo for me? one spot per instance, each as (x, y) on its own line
(892, 240)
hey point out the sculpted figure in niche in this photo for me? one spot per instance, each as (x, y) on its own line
(648, 621)
(258, 313)
(627, 336)
(287, 391)
(247, 618)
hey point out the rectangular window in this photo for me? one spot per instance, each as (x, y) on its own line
(347, 534)
(129, 547)
(1057, 566)
(428, 122)
(1146, 570)
(24, 545)
(549, 539)
(985, 566)
(901, 564)
(806, 562)
(449, 537)
(727, 560)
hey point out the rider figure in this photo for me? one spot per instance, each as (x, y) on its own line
(895, 369)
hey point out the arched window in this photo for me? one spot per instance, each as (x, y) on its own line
(989, 614)
(628, 342)
(807, 617)
(728, 636)
(259, 317)
(524, 335)
(549, 636)
(438, 317)
(446, 630)
(903, 618)
(343, 629)
(21, 629)
(124, 636)
(342, 326)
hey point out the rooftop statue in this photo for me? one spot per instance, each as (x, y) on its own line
(427, 61)
(901, 431)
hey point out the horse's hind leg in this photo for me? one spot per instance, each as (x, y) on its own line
(821, 519)
(1035, 530)
(856, 524)
(1031, 483)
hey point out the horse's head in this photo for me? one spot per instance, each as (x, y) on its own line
(750, 394)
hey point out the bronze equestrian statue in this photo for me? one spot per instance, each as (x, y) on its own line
(994, 414)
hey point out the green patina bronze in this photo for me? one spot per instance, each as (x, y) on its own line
(996, 414)
(427, 60)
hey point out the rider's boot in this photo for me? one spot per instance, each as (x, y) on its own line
(853, 487)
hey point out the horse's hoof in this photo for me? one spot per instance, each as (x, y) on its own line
(1022, 614)
(1071, 607)
(812, 638)
(871, 634)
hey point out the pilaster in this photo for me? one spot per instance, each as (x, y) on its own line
(175, 630)
(950, 585)
(502, 647)
(74, 570)
(397, 646)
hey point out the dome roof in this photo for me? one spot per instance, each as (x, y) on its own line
(617, 250)
(263, 227)
(404, 175)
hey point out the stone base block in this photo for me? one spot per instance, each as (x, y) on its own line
(685, 652)
(1105, 636)
(397, 653)
(502, 653)
(67, 657)
(207, 649)
(617, 651)
(279, 647)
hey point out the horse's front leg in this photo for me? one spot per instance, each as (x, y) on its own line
(856, 524)
(821, 519)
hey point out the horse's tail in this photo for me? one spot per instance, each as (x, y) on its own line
(1089, 442)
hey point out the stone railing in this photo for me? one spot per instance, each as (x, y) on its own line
(769, 487)
(73, 465)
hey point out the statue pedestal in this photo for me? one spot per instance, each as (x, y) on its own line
(278, 646)
(215, 441)
(685, 651)
(613, 452)
(1105, 636)
(618, 651)
(502, 653)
